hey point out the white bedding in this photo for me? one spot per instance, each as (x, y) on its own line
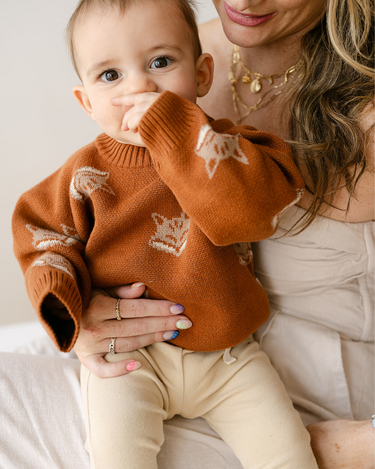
(41, 418)
(16, 335)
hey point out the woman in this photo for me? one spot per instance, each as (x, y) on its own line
(302, 71)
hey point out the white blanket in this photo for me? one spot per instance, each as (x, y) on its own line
(41, 418)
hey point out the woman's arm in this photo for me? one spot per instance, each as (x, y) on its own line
(343, 444)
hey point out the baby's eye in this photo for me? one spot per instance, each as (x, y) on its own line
(161, 62)
(110, 75)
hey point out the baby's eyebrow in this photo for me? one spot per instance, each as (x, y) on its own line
(99, 66)
(170, 47)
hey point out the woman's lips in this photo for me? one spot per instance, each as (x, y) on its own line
(246, 20)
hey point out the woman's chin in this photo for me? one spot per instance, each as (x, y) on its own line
(243, 36)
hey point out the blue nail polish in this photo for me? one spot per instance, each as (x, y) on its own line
(175, 334)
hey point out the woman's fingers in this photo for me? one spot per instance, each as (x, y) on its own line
(132, 329)
(141, 308)
(105, 308)
(103, 369)
(143, 322)
(127, 291)
(97, 364)
(129, 344)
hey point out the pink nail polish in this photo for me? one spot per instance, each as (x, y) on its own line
(137, 284)
(133, 366)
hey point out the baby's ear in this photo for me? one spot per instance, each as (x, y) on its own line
(83, 100)
(205, 74)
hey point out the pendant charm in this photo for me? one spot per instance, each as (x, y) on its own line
(255, 86)
(246, 79)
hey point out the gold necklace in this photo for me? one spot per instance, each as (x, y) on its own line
(255, 84)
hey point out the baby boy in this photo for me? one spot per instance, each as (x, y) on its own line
(171, 198)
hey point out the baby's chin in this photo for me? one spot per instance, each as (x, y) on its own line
(128, 142)
(130, 138)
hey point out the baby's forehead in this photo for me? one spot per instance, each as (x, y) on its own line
(102, 24)
(94, 18)
(119, 9)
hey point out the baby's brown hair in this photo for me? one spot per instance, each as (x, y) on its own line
(186, 7)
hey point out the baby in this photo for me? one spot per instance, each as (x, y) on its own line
(171, 198)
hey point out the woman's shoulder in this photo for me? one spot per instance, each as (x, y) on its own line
(367, 125)
(362, 202)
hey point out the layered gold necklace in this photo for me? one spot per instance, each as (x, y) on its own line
(254, 80)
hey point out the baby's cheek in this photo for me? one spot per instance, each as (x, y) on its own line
(110, 118)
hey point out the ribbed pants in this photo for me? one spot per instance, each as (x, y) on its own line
(244, 402)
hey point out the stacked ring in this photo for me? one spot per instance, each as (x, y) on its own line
(118, 317)
(112, 346)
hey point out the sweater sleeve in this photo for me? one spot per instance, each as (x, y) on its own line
(49, 230)
(234, 181)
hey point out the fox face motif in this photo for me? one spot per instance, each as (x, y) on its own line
(86, 180)
(245, 253)
(214, 147)
(44, 239)
(171, 235)
(57, 262)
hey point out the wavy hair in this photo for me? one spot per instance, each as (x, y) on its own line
(327, 103)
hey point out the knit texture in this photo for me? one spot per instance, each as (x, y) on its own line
(178, 215)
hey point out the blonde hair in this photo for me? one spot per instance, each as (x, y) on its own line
(186, 7)
(328, 102)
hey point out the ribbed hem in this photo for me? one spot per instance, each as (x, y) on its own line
(121, 154)
(168, 121)
(65, 289)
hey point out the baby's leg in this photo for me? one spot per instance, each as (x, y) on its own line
(124, 417)
(254, 415)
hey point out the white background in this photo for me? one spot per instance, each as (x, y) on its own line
(41, 125)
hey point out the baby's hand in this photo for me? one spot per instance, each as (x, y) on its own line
(138, 104)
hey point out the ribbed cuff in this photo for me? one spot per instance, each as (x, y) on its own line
(64, 333)
(168, 121)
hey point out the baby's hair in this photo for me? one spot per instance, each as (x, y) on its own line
(186, 7)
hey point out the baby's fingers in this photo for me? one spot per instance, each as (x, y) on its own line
(103, 369)
(133, 99)
(125, 100)
(132, 119)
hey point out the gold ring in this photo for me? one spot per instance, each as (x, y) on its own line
(112, 346)
(118, 310)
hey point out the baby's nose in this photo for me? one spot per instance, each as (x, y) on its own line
(141, 83)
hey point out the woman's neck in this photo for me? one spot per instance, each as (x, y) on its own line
(271, 59)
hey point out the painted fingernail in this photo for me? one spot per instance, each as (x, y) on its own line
(133, 366)
(176, 309)
(170, 335)
(137, 284)
(184, 324)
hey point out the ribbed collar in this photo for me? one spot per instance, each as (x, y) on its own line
(121, 154)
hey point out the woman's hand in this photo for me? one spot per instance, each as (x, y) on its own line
(144, 322)
(343, 444)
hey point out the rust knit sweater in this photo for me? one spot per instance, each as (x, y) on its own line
(177, 215)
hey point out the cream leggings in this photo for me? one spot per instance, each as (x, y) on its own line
(244, 402)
